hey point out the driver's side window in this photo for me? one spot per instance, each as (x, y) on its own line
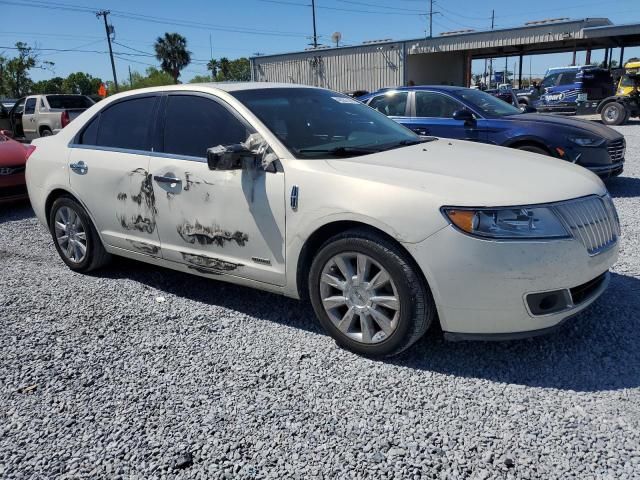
(193, 124)
(550, 81)
(435, 105)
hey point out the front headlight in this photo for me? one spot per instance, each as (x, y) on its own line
(587, 141)
(507, 223)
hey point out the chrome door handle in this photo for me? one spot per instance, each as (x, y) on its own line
(164, 179)
(80, 168)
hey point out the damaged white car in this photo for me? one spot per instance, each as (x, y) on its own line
(309, 193)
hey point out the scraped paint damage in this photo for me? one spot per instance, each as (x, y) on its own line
(188, 182)
(203, 235)
(143, 247)
(146, 199)
(138, 223)
(209, 265)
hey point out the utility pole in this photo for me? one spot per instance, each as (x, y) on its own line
(130, 78)
(430, 18)
(109, 31)
(493, 18)
(313, 13)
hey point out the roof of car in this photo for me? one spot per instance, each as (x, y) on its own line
(439, 88)
(235, 86)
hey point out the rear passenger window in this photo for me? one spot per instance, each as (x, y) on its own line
(392, 104)
(89, 135)
(125, 125)
(194, 124)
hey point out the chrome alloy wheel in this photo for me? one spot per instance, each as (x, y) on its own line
(71, 234)
(360, 297)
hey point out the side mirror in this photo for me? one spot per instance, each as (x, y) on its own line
(464, 115)
(528, 109)
(228, 157)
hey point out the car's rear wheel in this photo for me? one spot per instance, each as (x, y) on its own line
(368, 295)
(614, 113)
(46, 132)
(75, 237)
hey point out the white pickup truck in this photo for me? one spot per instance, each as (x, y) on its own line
(43, 115)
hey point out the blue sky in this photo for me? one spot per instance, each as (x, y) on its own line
(244, 27)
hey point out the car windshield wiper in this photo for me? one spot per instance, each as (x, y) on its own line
(407, 143)
(341, 151)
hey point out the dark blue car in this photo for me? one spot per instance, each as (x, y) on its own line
(468, 114)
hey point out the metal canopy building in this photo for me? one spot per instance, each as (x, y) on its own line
(440, 60)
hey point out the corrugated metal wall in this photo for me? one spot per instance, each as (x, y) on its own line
(364, 68)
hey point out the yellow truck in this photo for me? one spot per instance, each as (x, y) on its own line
(626, 83)
(626, 103)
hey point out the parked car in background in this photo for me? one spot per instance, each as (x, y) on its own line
(470, 114)
(572, 90)
(43, 115)
(13, 157)
(527, 96)
(505, 94)
(385, 231)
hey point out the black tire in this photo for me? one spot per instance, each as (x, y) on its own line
(614, 113)
(96, 256)
(533, 149)
(46, 132)
(417, 308)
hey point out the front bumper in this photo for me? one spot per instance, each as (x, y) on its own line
(481, 286)
(605, 161)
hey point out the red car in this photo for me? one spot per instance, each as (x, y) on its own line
(13, 159)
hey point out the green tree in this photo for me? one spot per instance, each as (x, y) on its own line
(81, 83)
(225, 70)
(171, 51)
(200, 79)
(15, 71)
(53, 85)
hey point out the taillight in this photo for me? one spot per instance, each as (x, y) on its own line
(64, 119)
(30, 149)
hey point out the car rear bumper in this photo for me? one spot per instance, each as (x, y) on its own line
(485, 288)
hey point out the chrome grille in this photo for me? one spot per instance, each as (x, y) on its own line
(616, 150)
(591, 220)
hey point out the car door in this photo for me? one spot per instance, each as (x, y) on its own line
(216, 222)
(109, 173)
(393, 104)
(15, 118)
(29, 124)
(433, 115)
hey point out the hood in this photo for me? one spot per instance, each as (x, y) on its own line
(464, 173)
(592, 128)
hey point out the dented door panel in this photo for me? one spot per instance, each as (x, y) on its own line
(116, 188)
(221, 222)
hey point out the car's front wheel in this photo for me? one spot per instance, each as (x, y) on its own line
(75, 237)
(368, 294)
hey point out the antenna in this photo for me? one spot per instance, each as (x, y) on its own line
(336, 37)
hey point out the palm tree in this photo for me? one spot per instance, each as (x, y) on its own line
(225, 68)
(214, 66)
(172, 53)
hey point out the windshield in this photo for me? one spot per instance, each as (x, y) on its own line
(488, 105)
(69, 101)
(317, 123)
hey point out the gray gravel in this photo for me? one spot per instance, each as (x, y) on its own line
(100, 378)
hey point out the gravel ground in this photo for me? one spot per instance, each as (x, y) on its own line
(140, 372)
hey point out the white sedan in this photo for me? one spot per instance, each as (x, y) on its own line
(308, 193)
